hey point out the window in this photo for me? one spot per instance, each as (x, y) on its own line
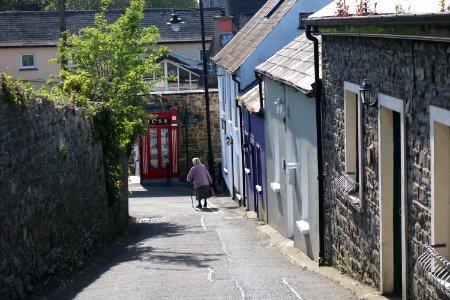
(440, 188)
(349, 182)
(27, 61)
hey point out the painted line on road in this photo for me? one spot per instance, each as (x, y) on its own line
(296, 294)
(210, 274)
(240, 289)
(224, 248)
(203, 223)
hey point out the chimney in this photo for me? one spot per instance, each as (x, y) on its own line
(223, 23)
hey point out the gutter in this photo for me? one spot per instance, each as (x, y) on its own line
(318, 94)
(387, 19)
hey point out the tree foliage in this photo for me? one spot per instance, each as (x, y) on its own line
(40, 5)
(102, 67)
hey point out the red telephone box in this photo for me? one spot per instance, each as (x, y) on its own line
(158, 149)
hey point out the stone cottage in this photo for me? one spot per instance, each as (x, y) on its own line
(386, 144)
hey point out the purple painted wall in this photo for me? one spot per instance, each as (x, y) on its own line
(255, 162)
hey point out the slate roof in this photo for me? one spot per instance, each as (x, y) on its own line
(233, 55)
(293, 65)
(250, 98)
(22, 29)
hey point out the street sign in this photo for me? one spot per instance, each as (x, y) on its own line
(194, 118)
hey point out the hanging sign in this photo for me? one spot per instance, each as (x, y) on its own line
(158, 121)
(194, 118)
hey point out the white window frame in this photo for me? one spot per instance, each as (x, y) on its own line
(22, 67)
(440, 159)
(350, 134)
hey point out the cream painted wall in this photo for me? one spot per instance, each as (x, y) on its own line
(10, 60)
(10, 63)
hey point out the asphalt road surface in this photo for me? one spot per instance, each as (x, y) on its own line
(178, 252)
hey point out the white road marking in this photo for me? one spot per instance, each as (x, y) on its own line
(224, 248)
(240, 289)
(210, 274)
(203, 223)
(296, 294)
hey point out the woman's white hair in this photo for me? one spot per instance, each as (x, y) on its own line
(196, 161)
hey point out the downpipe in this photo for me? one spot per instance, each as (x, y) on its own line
(242, 154)
(318, 94)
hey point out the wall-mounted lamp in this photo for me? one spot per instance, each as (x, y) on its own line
(245, 148)
(229, 140)
(365, 93)
(175, 22)
(280, 107)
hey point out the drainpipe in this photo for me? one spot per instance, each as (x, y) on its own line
(318, 94)
(242, 152)
(261, 100)
(234, 77)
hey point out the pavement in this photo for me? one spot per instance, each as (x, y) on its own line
(219, 252)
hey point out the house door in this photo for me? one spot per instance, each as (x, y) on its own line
(393, 236)
(397, 201)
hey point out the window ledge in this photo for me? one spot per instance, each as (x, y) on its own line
(225, 170)
(28, 69)
(236, 128)
(247, 171)
(275, 186)
(303, 226)
(230, 121)
(258, 188)
(355, 202)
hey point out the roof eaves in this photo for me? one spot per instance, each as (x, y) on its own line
(385, 19)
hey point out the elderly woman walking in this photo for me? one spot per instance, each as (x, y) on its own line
(201, 178)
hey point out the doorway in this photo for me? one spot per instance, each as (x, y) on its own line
(392, 200)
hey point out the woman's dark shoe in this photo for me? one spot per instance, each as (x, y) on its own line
(199, 206)
(206, 204)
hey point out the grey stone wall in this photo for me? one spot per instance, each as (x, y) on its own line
(412, 70)
(197, 138)
(53, 207)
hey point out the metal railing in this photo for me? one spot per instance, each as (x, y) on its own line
(434, 268)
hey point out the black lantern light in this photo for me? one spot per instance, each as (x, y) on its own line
(365, 93)
(175, 22)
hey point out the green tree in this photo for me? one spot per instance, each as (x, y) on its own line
(106, 64)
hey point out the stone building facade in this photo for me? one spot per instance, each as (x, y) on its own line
(396, 148)
(193, 102)
(53, 204)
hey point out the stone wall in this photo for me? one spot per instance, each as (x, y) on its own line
(197, 139)
(53, 206)
(410, 70)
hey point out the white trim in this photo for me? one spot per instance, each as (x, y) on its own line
(22, 67)
(303, 226)
(441, 117)
(386, 248)
(354, 88)
(275, 186)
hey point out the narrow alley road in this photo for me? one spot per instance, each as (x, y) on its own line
(182, 253)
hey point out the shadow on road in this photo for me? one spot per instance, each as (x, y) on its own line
(135, 248)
